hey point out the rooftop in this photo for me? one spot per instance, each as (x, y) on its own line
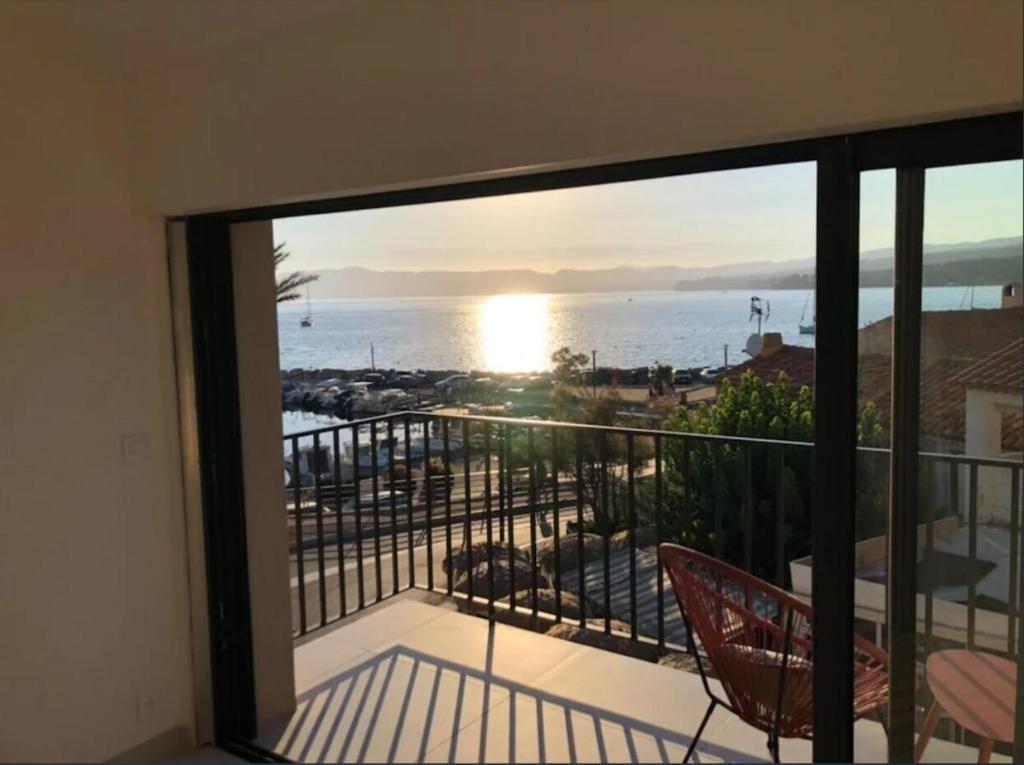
(1002, 371)
(957, 334)
(944, 380)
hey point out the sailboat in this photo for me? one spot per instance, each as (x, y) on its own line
(307, 320)
(808, 329)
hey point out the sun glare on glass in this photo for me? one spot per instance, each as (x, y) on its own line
(514, 332)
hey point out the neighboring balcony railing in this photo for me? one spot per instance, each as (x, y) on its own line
(566, 518)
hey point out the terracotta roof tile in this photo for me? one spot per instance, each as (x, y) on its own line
(942, 399)
(944, 383)
(797, 362)
(952, 334)
(1003, 371)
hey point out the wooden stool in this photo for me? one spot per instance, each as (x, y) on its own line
(977, 690)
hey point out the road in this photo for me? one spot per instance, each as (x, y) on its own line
(428, 556)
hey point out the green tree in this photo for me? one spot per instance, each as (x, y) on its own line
(597, 461)
(872, 497)
(566, 365)
(662, 378)
(701, 475)
(288, 285)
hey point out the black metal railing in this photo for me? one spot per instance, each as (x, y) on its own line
(562, 519)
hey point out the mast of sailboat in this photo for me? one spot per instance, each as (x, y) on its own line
(307, 320)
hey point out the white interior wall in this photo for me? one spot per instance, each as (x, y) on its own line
(94, 644)
(117, 113)
(364, 95)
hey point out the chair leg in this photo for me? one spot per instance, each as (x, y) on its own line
(700, 730)
(773, 746)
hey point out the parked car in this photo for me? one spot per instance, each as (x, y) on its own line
(682, 377)
(712, 373)
(403, 380)
(453, 383)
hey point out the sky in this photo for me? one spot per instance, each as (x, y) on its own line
(696, 220)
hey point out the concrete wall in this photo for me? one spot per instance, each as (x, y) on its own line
(252, 251)
(95, 640)
(118, 113)
(983, 438)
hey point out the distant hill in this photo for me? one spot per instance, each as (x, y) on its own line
(997, 261)
(357, 282)
(990, 262)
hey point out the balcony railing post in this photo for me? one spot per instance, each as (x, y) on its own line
(358, 506)
(410, 538)
(375, 487)
(1018, 652)
(300, 568)
(393, 505)
(319, 499)
(468, 519)
(718, 451)
(780, 520)
(972, 551)
(927, 510)
(532, 457)
(1013, 607)
(606, 534)
(581, 570)
(634, 617)
(511, 520)
(557, 525)
(687, 480)
(658, 537)
(449, 478)
(487, 518)
(338, 503)
(429, 503)
(501, 483)
(748, 509)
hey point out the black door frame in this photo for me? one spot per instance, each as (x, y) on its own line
(840, 160)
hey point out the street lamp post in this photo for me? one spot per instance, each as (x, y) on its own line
(593, 372)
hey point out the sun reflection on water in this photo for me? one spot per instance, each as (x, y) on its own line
(514, 332)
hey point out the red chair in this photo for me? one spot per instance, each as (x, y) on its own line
(757, 641)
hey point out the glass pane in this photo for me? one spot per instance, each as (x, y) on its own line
(874, 380)
(970, 417)
(970, 439)
(559, 381)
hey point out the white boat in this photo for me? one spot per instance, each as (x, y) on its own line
(808, 329)
(307, 320)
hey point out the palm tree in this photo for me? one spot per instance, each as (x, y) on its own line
(288, 286)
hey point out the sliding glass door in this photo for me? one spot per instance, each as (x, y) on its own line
(940, 385)
(914, 503)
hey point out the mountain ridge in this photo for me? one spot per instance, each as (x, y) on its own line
(362, 282)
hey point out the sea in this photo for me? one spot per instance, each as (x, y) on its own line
(518, 333)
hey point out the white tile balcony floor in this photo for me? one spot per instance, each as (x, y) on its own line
(413, 682)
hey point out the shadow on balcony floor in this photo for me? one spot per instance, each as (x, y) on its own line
(413, 682)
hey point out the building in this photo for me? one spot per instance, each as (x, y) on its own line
(958, 347)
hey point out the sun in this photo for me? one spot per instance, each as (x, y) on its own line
(514, 332)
